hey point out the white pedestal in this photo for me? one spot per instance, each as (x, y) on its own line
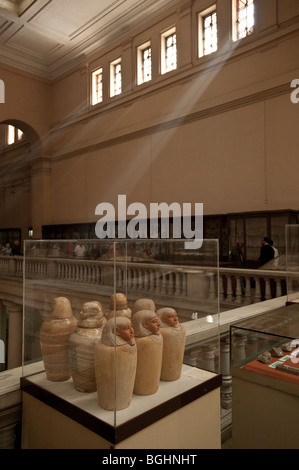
(184, 414)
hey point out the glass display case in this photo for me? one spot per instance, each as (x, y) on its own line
(292, 262)
(106, 325)
(265, 378)
(269, 344)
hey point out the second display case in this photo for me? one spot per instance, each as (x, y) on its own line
(265, 379)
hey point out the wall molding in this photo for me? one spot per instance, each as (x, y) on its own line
(179, 121)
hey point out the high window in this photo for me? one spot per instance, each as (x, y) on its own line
(97, 86)
(243, 18)
(168, 51)
(207, 32)
(115, 78)
(144, 63)
(13, 135)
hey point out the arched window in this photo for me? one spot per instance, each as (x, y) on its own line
(13, 135)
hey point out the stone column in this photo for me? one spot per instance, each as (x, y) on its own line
(8, 436)
(239, 346)
(226, 388)
(207, 359)
(10, 419)
(15, 336)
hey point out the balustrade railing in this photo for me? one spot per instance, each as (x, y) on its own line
(237, 287)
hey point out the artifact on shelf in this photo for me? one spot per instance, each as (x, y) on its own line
(276, 352)
(287, 347)
(143, 304)
(115, 360)
(54, 339)
(82, 344)
(119, 306)
(174, 338)
(289, 367)
(264, 357)
(149, 343)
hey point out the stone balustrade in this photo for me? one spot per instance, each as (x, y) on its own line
(236, 286)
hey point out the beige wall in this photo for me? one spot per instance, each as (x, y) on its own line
(220, 130)
(27, 99)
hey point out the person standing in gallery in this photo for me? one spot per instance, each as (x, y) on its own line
(266, 254)
(275, 265)
(16, 248)
(80, 250)
(6, 250)
(276, 252)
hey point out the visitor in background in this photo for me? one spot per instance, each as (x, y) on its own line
(6, 250)
(266, 254)
(16, 248)
(80, 250)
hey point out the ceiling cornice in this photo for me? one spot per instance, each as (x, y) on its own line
(50, 37)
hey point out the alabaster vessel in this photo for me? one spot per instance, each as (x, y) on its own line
(82, 345)
(149, 343)
(143, 304)
(118, 306)
(54, 339)
(115, 364)
(174, 338)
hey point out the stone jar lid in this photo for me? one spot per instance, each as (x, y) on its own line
(143, 304)
(61, 308)
(91, 315)
(120, 302)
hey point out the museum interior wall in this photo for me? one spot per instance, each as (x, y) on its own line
(220, 129)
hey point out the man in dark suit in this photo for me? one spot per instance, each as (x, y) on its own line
(266, 254)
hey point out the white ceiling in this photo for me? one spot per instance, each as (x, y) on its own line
(48, 37)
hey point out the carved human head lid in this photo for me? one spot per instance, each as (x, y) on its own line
(61, 308)
(111, 335)
(145, 323)
(91, 315)
(168, 318)
(143, 304)
(120, 301)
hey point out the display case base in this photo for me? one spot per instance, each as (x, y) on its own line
(265, 411)
(184, 414)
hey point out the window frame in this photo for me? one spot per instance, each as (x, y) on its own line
(13, 135)
(94, 86)
(140, 63)
(237, 36)
(201, 30)
(113, 70)
(164, 36)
